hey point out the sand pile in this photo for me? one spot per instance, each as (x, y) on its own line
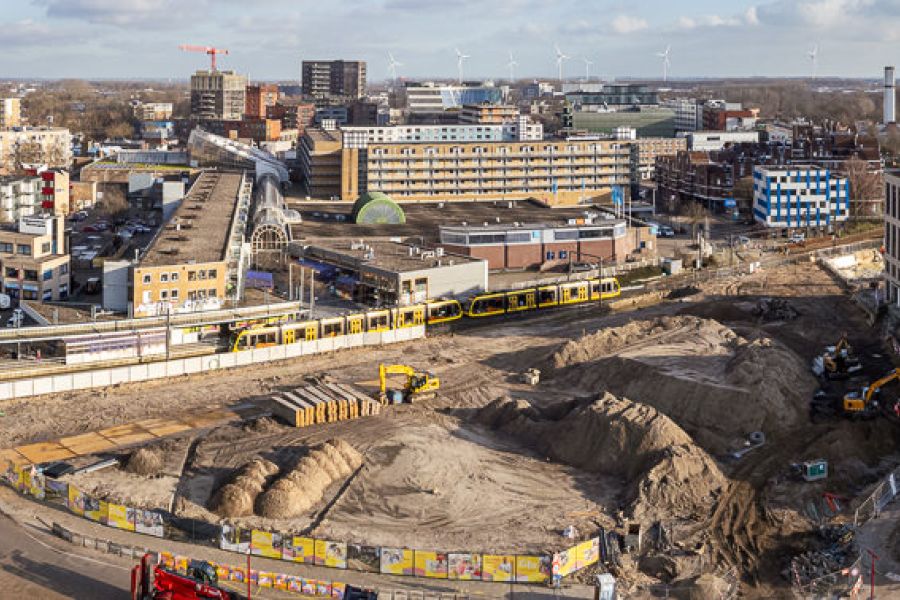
(667, 474)
(145, 461)
(236, 498)
(303, 487)
(718, 385)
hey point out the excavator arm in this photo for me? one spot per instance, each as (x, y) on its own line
(874, 387)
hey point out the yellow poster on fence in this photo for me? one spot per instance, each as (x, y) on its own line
(300, 549)
(587, 553)
(532, 569)
(431, 564)
(95, 509)
(331, 554)
(464, 566)
(266, 543)
(568, 561)
(76, 501)
(120, 517)
(396, 561)
(498, 567)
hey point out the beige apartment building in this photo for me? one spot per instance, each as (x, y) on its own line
(488, 114)
(51, 146)
(153, 111)
(34, 260)
(10, 112)
(197, 260)
(218, 95)
(651, 147)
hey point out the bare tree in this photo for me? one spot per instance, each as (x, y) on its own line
(865, 186)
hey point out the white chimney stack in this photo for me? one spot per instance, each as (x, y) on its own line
(889, 96)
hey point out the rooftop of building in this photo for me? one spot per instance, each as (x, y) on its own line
(199, 230)
(333, 219)
(391, 256)
(317, 134)
(600, 220)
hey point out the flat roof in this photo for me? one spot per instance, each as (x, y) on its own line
(597, 223)
(199, 230)
(385, 255)
(333, 219)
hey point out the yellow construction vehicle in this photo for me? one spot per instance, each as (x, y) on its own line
(419, 384)
(840, 362)
(861, 404)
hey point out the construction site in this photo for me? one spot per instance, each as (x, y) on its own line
(690, 428)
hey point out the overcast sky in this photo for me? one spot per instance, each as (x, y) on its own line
(268, 38)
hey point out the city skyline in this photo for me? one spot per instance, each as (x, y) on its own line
(101, 38)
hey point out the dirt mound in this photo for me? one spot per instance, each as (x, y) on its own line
(303, 487)
(236, 499)
(667, 473)
(718, 385)
(700, 588)
(144, 461)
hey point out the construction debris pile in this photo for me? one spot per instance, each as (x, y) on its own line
(301, 488)
(237, 498)
(775, 309)
(668, 475)
(144, 461)
(719, 385)
(822, 567)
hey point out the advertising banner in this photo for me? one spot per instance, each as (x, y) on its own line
(265, 543)
(323, 588)
(587, 553)
(299, 549)
(234, 539)
(281, 581)
(57, 488)
(309, 587)
(331, 554)
(396, 561)
(430, 564)
(295, 583)
(364, 558)
(167, 559)
(567, 560)
(11, 476)
(181, 564)
(95, 509)
(532, 569)
(32, 483)
(150, 522)
(495, 567)
(464, 567)
(265, 579)
(223, 572)
(338, 590)
(75, 501)
(237, 574)
(120, 517)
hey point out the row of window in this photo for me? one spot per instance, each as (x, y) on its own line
(200, 275)
(501, 150)
(173, 294)
(32, 275)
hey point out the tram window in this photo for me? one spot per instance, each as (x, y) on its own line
(547, 296)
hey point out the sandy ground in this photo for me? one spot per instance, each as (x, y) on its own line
(434, 477)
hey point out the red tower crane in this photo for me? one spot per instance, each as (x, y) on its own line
(206, 50)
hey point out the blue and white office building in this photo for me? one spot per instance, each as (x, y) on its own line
(799, 197)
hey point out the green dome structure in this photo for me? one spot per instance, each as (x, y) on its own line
(377, 208)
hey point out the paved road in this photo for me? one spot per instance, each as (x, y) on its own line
(34, 565)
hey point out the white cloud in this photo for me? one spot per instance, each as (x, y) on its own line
(829, 13)
(748, 18)
(623, 24)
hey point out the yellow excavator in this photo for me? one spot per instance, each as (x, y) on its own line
(863, 403)
(840, 362)
(419, 384)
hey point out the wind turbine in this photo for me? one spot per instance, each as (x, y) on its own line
(512, 64)
(665, 56)
(560, 57)
(813, 55)
(460, 59)
(392, 66)
(587, 68)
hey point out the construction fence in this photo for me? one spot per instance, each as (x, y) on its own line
(872, 505)
(432, 564)
(104, 377)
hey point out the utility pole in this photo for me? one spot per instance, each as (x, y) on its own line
(312, 292)
(291, 281)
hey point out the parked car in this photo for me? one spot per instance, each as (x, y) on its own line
(798, 237)
(665, 231)
(90, 229)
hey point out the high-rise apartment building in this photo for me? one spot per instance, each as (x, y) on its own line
(10, 112)
(24, 146)
(334, 78)
(799, 197)
(218, 95)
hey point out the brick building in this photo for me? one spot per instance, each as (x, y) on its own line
(258, 99)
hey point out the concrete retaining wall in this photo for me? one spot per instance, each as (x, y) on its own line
(98, 378)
